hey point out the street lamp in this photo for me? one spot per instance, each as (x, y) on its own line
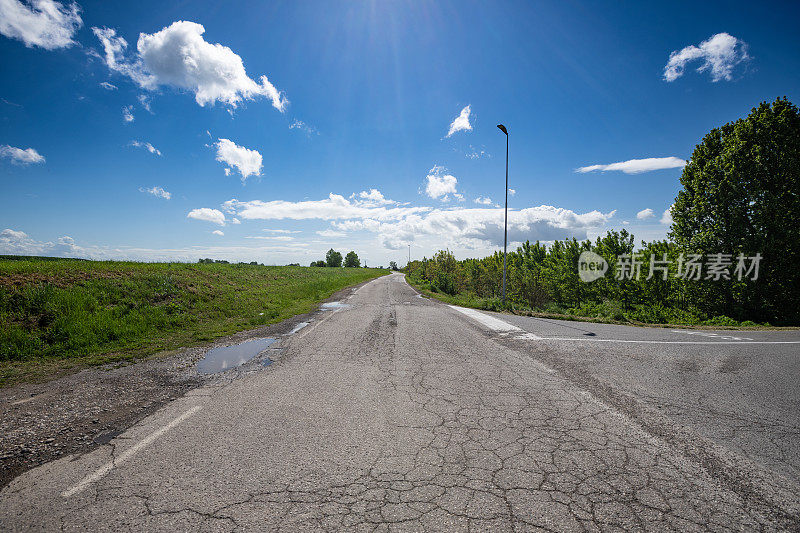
(505, 230)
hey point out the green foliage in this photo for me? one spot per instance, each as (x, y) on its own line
(71, 309)
(333, 258)
(351, 260)
(740, 194)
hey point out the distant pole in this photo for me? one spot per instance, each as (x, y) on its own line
(505, 230)
(409, 254)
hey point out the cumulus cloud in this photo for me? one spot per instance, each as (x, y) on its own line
(207, 214)
(247, 162)
(637, 166)
(16, 242)
(512, 192)
(461, 122)
(43, 23)
(127, 114)
(720, 53)
(666, 218)
(483, 200)
(179, 56)
(439, 184)
(147, 146)
(334, 207)
(644, 214)
(397, 226)
(18, 156)
(156, 191)
(108, 86)
(372, 197)
(218, 232)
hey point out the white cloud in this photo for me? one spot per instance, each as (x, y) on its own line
(179, 56)
(666, 218)
(512, 192)
(335, 207)
(127, 114)
(439, 184)
(644, 214)
(108, 86)
(461, 122)
(280, 238)
(637, 166)
(720, 53)
(149, 147)
(236, 221)
(395, 227)
(157, 191)
(145, 101)
(218, 232)
(474, 153)
(19, 243)
(280, 231)
(483, 200)
(331, 234)
(373, 197)
(44, 23)
(302, 126)
(247, 162)
(207, 214)
(18, 156)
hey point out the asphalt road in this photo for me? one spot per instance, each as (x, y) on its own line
(400, 413)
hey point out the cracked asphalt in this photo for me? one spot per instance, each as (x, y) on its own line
(400, 413)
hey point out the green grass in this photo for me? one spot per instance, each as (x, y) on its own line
(603, 313)
(62, 314)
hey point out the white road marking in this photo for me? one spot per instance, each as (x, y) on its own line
(713, 335)
(127, 454)
(662, 342)
(494, 324)
(505, 329)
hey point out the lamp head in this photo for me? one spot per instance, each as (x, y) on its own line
(503, 128)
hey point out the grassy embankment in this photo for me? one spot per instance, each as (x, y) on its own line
(67, 314)
(597, 313)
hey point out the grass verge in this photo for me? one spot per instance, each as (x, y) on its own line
(62, 315)
(494, 304)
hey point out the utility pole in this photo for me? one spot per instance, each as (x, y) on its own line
(505, 230)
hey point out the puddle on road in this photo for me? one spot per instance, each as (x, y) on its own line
(336, 305)
(227, 357)
(298, 327)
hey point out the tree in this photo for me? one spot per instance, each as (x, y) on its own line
(393, 265)
(740, 195)
(351, 260)
(333, 258)
(319, 263)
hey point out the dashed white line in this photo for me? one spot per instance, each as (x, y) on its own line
(127, 454)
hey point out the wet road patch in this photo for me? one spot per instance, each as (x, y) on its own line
(227, 357)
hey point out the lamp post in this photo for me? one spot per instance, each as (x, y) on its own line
(505, 229)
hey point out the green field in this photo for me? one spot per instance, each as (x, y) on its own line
(57, 314)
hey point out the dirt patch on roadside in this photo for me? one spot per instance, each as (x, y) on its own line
(40, 422)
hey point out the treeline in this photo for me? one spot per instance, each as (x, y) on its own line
(334, 259)
(547, 279)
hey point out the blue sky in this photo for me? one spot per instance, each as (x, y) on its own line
(345, 144)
